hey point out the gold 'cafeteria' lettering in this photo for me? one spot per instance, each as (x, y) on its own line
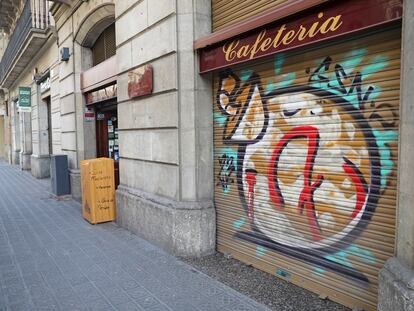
(276, 40)
(335, 24)
(230, 50)
(263, 42)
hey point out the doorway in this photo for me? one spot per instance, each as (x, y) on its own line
(49, 124)
(2, 135)
(107, 136)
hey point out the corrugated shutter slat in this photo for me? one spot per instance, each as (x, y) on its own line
(306, 157)
(105, 46)
(228, 12)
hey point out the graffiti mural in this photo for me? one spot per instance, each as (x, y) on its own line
(315, 154)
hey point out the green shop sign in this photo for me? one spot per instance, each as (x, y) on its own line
(25, 99)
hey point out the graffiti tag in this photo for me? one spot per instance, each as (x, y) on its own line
(225, 172)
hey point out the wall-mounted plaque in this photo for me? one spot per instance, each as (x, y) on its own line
(140, 81)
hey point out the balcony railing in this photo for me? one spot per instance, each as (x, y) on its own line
(40, 14)
(34, 17)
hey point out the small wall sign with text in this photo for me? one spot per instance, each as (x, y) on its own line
(140, 81)
(45, 85)
(25, 99)
(89, 115)
(329, 21)
(100, 116)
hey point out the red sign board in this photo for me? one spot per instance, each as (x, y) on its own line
(334, 19)
(109, 92)
(140, 81)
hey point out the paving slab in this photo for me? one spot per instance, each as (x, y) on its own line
(52, 259)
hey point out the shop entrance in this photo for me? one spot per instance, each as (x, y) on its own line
(49, 124)
(107, 135)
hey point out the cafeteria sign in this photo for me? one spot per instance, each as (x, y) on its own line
(336, 18)
(25, 99)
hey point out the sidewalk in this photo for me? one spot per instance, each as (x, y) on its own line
(52, 259)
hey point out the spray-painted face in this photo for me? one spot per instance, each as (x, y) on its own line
(305, 168)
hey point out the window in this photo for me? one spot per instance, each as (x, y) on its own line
(104, 47)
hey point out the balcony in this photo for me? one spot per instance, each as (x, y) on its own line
(30, 33)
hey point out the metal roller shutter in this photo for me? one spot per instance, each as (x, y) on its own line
(229, 12)
(306, 151)
(105, 46)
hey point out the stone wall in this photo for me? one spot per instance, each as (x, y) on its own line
(166, 169)
(396, 286)
(165, 138)
(40, 158)
(30, 137)
(72, 23)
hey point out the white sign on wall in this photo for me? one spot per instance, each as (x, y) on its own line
(45, 85)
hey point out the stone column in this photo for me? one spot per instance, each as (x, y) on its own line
(396, 287)
(40, 159)
(82, 144)
(195, 132)
(25, 140)
(15, 134)
(7, 131)
(70, 97)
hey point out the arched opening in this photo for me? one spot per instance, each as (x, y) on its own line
(97, 28)
(96, 37)
(92, 25)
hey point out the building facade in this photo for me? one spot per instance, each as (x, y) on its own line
(276, 131)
